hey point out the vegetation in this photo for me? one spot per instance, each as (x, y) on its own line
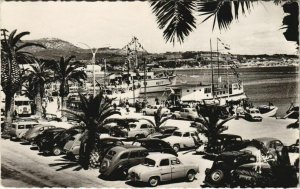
(65, 71)
(95, 111)
(210, 124)
(13, 54)
(176, 17)
(159, 119)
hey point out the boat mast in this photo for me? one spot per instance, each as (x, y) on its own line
(227, 81)
(136, 63)
(218, 62)
(212, 71)
(145, 84)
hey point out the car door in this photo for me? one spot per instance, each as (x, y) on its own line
(177, 168)
(165, 170)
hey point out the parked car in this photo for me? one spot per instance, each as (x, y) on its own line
(30, 135)
(186, 113)
(245, 163)
(164, 131)
(219, 174)
(183, 139)
(162, 167)
(225, 142)
(151, 110)
(174, 108)
(120, 159)
(48, 134)
(140, 129)
(103, 144)
(52, 117)
(55, 145)
(155, 145)
(18, 129)
(117, 126)
(272, 168)
(253, 114)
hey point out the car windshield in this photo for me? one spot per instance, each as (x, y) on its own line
(149, 162)
(176, 133)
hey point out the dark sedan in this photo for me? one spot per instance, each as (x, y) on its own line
(55, 145)
(155, 145)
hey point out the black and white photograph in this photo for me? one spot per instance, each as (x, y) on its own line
(157, 93)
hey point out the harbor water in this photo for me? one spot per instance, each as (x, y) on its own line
(278, 85)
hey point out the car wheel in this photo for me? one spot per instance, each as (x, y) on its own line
(76, 157)
(173, 117)
(176, 147)
(56, 151)
(144, 113)
(12, 138)
(190, 176)
(153, 181)
(217, 176)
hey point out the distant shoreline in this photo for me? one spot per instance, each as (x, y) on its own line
(208, 67)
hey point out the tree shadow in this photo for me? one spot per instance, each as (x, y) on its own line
(161, 184)
(34, 148)
(116, 176)
(25, 143)
(66, 164)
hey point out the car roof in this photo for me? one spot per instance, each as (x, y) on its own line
(127, 148)
(229, 136)
(26, 122)
(159, 156)
(184, 130)
(149, 139)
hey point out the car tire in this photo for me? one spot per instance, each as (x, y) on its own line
(56, 151)
(153, 181)
(217, 176)
(176, 147)
(190, 176)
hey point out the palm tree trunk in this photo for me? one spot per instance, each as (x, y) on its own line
(9, 111)
(89, 145)
(38, 101)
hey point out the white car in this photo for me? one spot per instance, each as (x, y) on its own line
(253, 114)
(162, 167)
(140, 129)
(183, 139)
(151, 110)
(186, 113)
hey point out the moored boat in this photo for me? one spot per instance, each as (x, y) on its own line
(267, 110)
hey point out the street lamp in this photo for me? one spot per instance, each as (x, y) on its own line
(93, 62)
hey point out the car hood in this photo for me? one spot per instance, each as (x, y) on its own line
(255, 165)
(140, 169)
(171, 139)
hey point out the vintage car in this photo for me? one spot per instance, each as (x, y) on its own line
(140, 129)
(174, 108)
(186, 113)
(118, 160)
(18, 129)
(241, 168)
(55, 145)
(155, 145)
(30, 135)
(225, 142)
(253, 114)
(103, 143)
(164, 131)
(181, 139)
(116, 126)
(151, 110)
(52, 117)
(162, 167)
(48, 134)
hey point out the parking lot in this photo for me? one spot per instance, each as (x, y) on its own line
(24, 166)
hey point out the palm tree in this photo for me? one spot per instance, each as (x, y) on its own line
(13, 54)
(66, 71)
(95, 111)
(176, 17)
(210, 124)
(159, 119)
(39, 77)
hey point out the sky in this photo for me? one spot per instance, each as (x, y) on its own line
(101, 24)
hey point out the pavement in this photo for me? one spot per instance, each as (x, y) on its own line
(23, 166)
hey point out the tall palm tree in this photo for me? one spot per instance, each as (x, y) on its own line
(159, 119)
(13, 54)
(39, 76)
(66, 71)
(176, 17)
(94, 112)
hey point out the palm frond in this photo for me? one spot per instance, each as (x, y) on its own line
(175, 17)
